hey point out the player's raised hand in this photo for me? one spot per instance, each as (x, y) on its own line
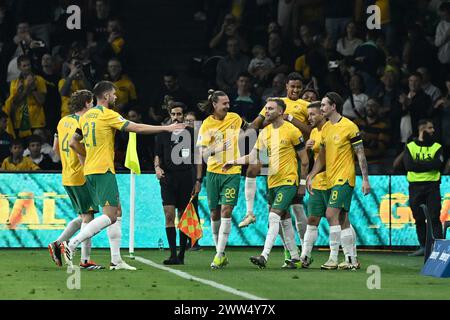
(366, 187)
(159, 172)
(310, 144)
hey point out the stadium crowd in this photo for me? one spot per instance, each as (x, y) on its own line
(390, 78)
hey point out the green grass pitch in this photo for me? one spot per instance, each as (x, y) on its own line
(30, 274)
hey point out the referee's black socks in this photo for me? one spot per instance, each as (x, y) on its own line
(172, 239)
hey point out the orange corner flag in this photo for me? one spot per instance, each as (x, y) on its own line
(189, 223)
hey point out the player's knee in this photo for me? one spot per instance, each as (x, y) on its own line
(215, 214)
(87, 217)
(225, 211)
(313, 221)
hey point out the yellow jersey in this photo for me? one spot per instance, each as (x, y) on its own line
(338, 140)
(25, 165)
(99, 125)
(126, 91)
(65, 100)
(72, 170)
(320, 180)
(34, 112)
(296, 108)
(214, 132)
(281, 144)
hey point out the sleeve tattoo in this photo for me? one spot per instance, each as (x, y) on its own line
(359, 150)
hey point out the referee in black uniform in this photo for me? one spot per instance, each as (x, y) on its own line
(177, 174)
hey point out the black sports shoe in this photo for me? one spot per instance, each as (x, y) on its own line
(259, 261)
(172, 261)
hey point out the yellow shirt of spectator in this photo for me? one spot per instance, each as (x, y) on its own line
(25, 165)
(338, 140)
(320, 180)
(281, 145)
(215, 132)
(35, 111)
(72, 170)
(296, 108)
(99, 125)
(76, 85)
(126, 91)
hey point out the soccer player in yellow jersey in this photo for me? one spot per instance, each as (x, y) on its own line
(98, 126)
(218, 142)
(296, 113)
(74, 181)
(282, 142)
(340, 138)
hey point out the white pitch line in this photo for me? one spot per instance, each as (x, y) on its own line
(187, 276)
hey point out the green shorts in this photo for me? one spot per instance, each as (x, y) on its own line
(281, 197)
(318, 202)
(81, 198)
(104, 189)
(222, 189)
(340, 196)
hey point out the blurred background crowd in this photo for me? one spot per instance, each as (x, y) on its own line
(165, 51)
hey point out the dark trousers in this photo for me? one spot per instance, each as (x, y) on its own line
(428, 194)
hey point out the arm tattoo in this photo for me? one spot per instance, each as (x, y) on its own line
(359, 150)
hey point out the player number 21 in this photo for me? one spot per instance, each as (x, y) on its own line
(89, 130)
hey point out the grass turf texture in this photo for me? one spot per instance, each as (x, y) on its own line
(30, 274)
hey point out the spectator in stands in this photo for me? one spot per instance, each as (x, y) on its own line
(52, 99)
(171, 90)
(261, 65)
(388, 94)
(305, 46)
(40, 159)
(5, 138)
(417, 51)
(230, 30)
(368, 60)
(97, 25)
(190, 118)
(16, 161)
(375, 135)
(25, 105)
(46, 147)
(243, 101)
(355, 105)
(75, 80)
(310, 94)
(24, 44)
(442, 37)
(278, 88)
(39, 14)
(125, 89)
(278, 54)
(416, 105)
(443, 106)
(231, 66)
(347, 45)
(337, 15)
(429, 88)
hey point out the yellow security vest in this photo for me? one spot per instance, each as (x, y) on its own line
(423, 154)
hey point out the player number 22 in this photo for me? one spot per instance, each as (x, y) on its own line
(87, 131)
(230, 193)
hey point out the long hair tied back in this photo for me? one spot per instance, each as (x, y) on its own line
(213, 97)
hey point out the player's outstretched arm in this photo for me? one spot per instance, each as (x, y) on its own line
(249, 158)
(359, 150)
(56, 145)
(142, 128)
(303, 127)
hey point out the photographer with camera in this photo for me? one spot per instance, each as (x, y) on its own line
(75, 80)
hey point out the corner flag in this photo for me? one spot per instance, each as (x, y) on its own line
(189, 223)
(132, 159)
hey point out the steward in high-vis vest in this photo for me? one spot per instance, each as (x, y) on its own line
(423, 160)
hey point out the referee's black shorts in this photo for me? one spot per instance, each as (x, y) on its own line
(176, 188)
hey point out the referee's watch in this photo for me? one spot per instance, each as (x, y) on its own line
(199, 180)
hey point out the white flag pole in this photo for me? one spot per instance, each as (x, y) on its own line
(132, 203)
